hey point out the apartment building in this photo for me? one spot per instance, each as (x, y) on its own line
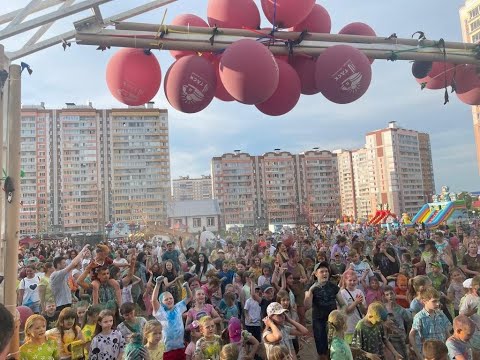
(402, 176)
(364, 183)
(186, 188)
(346, 182)
(470, 23)
(91, 166)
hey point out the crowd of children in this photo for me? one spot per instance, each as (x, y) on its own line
(354, 295)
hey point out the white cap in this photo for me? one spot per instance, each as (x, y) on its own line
(467, 284)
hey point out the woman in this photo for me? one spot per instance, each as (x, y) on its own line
(120, 260)
(201, 267)
(385, 259)
(429, 255)
(340, 247)
(71, 255)
(471, 260)
(28, 294)
(282, 253)
(44, 288)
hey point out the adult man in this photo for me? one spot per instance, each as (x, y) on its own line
(172, 254)
(59, 279)
(8, 326)
(103, 261)
(299, 280)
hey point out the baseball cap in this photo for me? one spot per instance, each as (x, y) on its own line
(436, 263)
(467, 284)
(234, 330)
(170, 241)
(266, 287)
(275, 309)
(321, 264)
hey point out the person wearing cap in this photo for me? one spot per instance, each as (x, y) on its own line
(279, 327)
(322, 297)
(242, 339)
(220, 258)
(439, 281)
(172, 254)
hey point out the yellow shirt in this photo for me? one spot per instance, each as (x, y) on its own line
(68, 338)
(46, 351)
(157, 354)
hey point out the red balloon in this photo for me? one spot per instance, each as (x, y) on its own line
(318, 21)
(358, 28)
(186, 20)
(287, 94)
(305, 66)
(133, 76)
(439, 73)
(236, 14)
(220, 93)
(466, 78)
(190, 84)
(287, 13)
(249, 71)
(471, 97)
(25, 312)
(343, 74)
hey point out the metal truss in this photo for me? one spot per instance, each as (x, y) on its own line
(16, 23)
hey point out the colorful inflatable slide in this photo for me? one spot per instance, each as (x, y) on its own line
(434, 214)
(380, 217)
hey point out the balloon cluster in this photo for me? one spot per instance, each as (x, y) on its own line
(247, 71)
(464, 79)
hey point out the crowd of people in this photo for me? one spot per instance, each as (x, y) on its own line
(356, 293)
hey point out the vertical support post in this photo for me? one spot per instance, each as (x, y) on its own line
(12, 207)
(3, 95)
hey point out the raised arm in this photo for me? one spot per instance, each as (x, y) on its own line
(77, 259)
(156, 289)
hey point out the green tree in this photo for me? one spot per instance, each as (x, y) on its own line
(464, 195)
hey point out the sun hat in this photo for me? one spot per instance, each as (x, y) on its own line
(275, 309)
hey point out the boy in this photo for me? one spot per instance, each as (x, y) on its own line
(439, 281)
(131, 324)
(369, 335)
(430, 323)
(360, 267)
(399, 318)
(50, 314)
(435, 350)
(458, 344)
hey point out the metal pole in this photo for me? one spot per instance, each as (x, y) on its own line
(12, 207)
(3, 94)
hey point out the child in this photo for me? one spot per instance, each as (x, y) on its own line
(135, 349)
(338, 267)
(439, 281)
(170, 316)
(359, 267)
(400, 318)
(107, 343)
(81, 308)
(430, 323)
(278, 329)
(194, 336)
(435, 350)
(406, 266)
(355, 300)
(456, 291)
(152, 336)
(229, 308)
(67, 334)
(50, 314)
(245, 342)
(401, 291)
(458, 344)
(469, 305)
(373, 290)
(37, 345)
(171, 280)
(415, 287)
(90, 324)
(229, 352)
(338, 348)
(369, 335)
(210, 344)
(252, 314)
(131, 324)
(283, 297)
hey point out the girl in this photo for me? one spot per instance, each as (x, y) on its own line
(67, 334)
(90, 324)
(229, 352)
(211, 290)
(266, 277)
(37, 345)
(282, 254)
(456, 290)
(44, 288)
(228, 307)
(373, 290)
(338, 347)
(276, 333)
(283, 298)
(194, 336)
(171, 280)
(355, 300)
(256, 268)
(210, 344)
(201, 267)
(28, 294)
(201, 309)
(429, 255)
(245, 342)
(415, 286)
(152, 336)
(279, 352)
(81, 309)
(107, 343)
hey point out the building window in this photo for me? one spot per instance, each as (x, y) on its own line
(197, 222)
(210, 221)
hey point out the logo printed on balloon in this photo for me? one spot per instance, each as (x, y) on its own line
(195, 91)
(353, 82)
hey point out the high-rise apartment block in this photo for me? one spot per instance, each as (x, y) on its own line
(276, 188)
(186, 188)
(470, 23)
(393, 170)
(85, 167)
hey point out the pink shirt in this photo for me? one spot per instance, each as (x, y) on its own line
(197, 315)
(373, 295)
